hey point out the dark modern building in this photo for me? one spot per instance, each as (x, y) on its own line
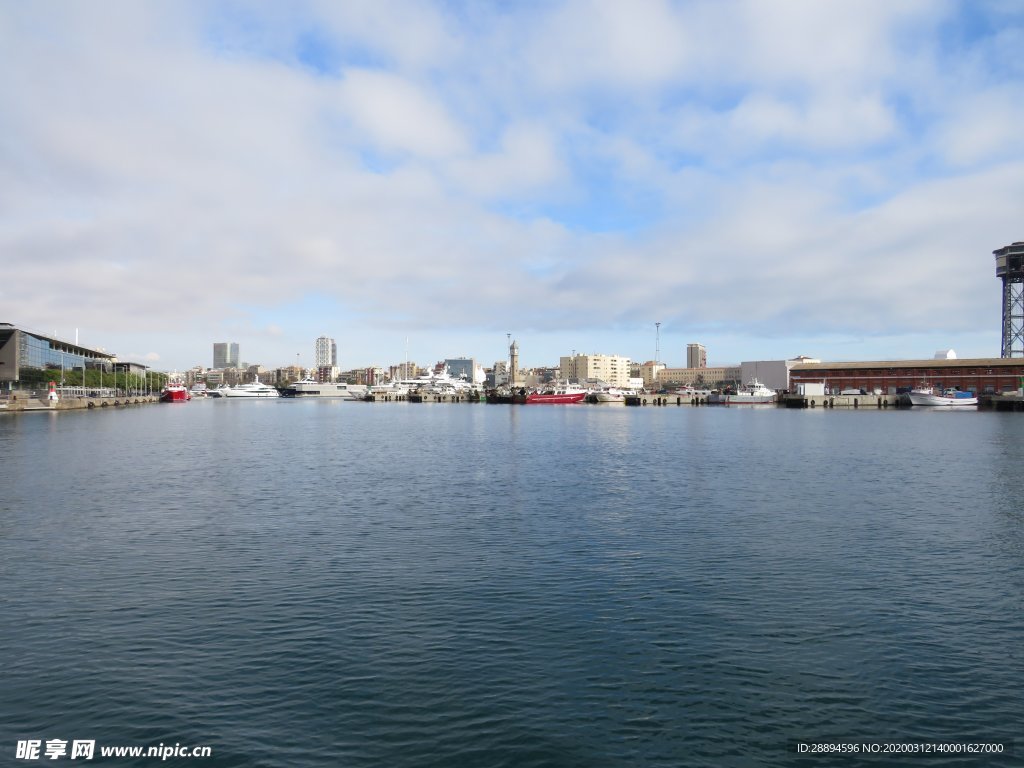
(225, 355)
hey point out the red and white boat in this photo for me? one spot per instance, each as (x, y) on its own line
(175, 393)
(558, 395)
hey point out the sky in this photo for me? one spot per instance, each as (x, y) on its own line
(420, 180)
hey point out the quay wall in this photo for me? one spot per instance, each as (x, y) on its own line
(27, 404)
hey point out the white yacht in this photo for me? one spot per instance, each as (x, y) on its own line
(256, 389)
(310, 388)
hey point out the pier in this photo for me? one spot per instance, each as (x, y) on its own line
(20, 403)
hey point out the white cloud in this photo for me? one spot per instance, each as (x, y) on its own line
(392, 114)
(796, 167)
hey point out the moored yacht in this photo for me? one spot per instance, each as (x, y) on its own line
(311, 388)
(255, 389)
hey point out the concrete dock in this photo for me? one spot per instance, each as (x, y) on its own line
(21, 404)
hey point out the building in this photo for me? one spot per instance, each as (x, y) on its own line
(515, 378)
(699, 378)
(459, 367)
(325, 353)
(989, 375)
(611, 369)
(23, 353)
(696, 356)
(650, 372)
(225, 354)
(774, 374)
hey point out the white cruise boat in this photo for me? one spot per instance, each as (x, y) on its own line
(310, 388)
(255, 389)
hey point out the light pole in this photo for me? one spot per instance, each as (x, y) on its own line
(657, 342)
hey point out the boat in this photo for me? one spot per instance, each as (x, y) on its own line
(310, 388)
(561, 394)
(926, 395)
(392, 389)
(751, 393)
(610, 395)
(692, 393)
(255, 389)
(175, 393)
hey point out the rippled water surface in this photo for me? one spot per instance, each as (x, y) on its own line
(316, 583)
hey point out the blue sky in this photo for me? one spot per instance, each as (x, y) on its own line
(767, 178)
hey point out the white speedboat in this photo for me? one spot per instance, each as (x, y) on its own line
(925, 395)
(311, 388)
(610, 395)
(255, 389)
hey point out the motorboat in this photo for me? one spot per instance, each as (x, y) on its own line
(610, 395)
(311, 388)
(255, 389)
(926, 395)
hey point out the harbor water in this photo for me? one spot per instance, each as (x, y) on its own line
(296, 583)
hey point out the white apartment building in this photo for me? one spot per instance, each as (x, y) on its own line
(325, 353)
(611, 369)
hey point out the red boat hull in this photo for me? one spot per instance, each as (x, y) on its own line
(551, 399)
(175, 395)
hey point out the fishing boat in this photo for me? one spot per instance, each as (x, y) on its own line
(927, 396)
(175, 393)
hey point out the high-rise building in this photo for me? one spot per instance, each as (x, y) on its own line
(326, 353)
(696, 356)
(225, 354)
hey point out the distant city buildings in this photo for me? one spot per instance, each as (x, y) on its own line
(611, 369)
(699, 378)
(696, 356)
(325, 353)
(459, 367)
(650, 372)
(225, 354)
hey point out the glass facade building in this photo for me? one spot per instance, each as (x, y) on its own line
(225, 354)
(21, 349)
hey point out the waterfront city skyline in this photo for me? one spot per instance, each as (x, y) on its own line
(765, 179)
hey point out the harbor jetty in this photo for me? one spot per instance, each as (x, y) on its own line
(19, 403)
